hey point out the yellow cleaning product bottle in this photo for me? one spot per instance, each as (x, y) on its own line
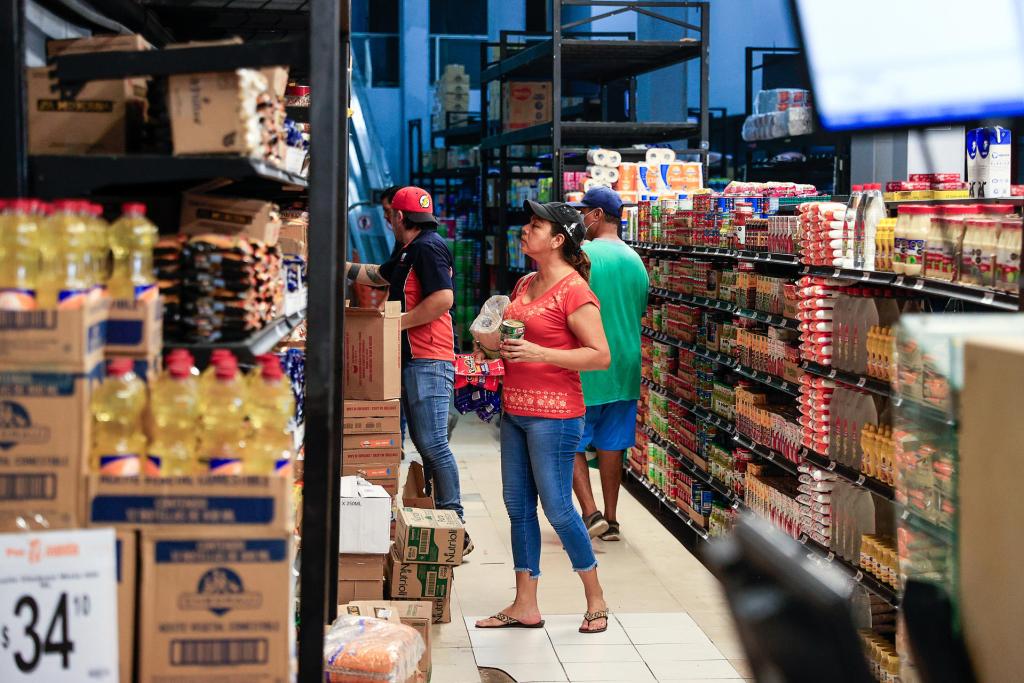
(174, 409)
(271, 409)
(118, 440)
(222, 445)
(132, 238)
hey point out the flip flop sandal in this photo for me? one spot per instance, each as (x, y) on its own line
(509, 622)
(591, 617)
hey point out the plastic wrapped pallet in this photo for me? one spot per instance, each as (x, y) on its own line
(364, 649)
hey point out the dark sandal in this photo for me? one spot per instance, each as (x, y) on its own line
(591, 617)
(510, 622)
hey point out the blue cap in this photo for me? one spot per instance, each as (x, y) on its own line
(601, 198)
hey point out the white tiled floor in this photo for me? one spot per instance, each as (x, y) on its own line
(669, 619)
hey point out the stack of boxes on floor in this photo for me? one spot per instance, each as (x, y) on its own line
(451, 98)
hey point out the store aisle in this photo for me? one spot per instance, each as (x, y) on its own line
(670, 621)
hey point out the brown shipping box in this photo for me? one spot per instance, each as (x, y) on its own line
(433, 536)
(372, 417)
(131, 42)
(991, 469)
(135, 327)
(384, 475)
(127, 554)
(259, 503)
(45, 434)
(215, 606)
(417, 614)
(360, 577)
(418, 581)
(527, 103)
(72, 339)
(414, 490)
(373, 353)
(209, 213)
(372, 442)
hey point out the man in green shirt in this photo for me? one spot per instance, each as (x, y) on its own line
(619, 279)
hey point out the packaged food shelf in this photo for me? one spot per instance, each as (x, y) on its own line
(603, 133)
(884, 591)
(918, 523)
(262, 341)
(766, 453)
(849, 474)
(721, 489)
(669, 504)
(768, 257)
(768, 318)
(875, 386)
(768, 380)
(698, 412)
(715, 356)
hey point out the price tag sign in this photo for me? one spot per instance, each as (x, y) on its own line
(58, 606)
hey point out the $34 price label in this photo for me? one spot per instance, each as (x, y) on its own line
(58, 606)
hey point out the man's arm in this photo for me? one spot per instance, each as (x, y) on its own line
(365, 274)
(430, 309)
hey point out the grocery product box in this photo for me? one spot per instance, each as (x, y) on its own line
(408, 580)
(135, 327)
(383, 474)
(209, 213)
(192, 502)
(416, 614)
(102, 118)
(526, 103)
(434, 536)
(372, 442)
(71, 339)
(360, 577)
(372, 417)
(364, 517)
(206, 110)
(414, 491)
(373, 353)
(45, 435)
(127, 548)
(215, 606)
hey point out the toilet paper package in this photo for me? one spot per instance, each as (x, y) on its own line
(656, 156)
(989, 162)
(603, 173)
(604, 157)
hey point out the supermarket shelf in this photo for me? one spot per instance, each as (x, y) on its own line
(698, 412)
(602, 133)
(768, 380)
(964, 200)
(76, 175)
(259, 343)
(767, 454)
(884, 591)
(767, 257)
(849, 475)
(463, 172)
(459, 135)
(719, 487)
(768, 318)
(703, 301)
(715, 356)
(709, 251)
(669, 504)
(977, 295)
(919, 523)
(298, 114)
(600, 61)
(875, 386)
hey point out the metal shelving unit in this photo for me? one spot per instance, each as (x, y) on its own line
(312, 37)
(603, 59)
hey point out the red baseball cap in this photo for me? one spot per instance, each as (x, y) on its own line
(415, 203)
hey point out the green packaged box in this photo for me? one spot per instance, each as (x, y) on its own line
(429, 536)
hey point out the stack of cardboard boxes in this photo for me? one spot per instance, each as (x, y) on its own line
(421, 566)
(451, 96)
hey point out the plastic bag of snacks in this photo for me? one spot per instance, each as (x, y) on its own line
(485, 328)
(477, 386)
(363, 649)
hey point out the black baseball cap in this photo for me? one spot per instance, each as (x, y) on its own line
(561, 215)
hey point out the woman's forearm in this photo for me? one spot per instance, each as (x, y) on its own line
(583, 359)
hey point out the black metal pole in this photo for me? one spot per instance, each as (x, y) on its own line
(705, 83)
(556, 100)
(328, 239)
(14, 134)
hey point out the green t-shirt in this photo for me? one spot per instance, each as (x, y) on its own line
(619, 279)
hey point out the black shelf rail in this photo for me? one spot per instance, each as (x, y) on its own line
(257, 344)
(766, 453)
(669, 504)
(871, 384)
(691, 468)
(720, 358)
(771, 319)
(769, 380)
(321, 54)
(855, 573)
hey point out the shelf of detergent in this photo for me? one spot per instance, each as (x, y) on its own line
(981, 296)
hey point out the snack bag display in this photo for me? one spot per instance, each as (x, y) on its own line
(364, 649)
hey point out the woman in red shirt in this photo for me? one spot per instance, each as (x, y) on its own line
(543, 408)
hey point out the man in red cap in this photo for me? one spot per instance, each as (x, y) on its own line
(420, 277)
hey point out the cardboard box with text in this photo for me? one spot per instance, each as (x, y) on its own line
(360, 577)
(526, 103)
(373, 353)
(210, 213)
(372, 417)
(364, 518)
(71, 339)
(127, 582)
(434, 536)
(135, 327)
(415, 581)
(417, 614)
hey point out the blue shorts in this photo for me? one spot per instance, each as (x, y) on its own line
(610, 427)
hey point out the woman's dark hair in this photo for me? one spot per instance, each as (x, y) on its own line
(573, 254)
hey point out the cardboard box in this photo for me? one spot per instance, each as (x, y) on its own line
(205, 115)
(71, 340)
(434, 536)
(414, 491)
(215, 605)
(373, 442)
(407, 580)
(372, 417)
(384, 475)
(105, 117)
(373, 353)
(190, 502)
(360, 577)
(135, 327)
(45, 435)
(364, 518)
(526, 103)
(416, 614)
(127, 582)
(205, 213)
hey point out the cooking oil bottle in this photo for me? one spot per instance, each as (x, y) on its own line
(132, 238)
(99, 246)
(19, 254)
(208, 377)
(73, 253)
(271, 408)
(174, 410)
(118, 439)
(222, 445)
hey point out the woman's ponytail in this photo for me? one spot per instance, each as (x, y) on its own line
(579, 261)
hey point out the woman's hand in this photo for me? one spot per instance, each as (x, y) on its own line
(478, 352)
(522, 351)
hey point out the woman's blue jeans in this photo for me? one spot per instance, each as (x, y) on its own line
(537, 459)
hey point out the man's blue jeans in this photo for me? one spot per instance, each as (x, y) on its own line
(537, 459)
(427, 387)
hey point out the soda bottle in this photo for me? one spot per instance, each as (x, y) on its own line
(74, 263)
(99, 243)
(132, 238)
(174, 410)
(222, 446)
(118, 440)
(271, 409)
(19, 254)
